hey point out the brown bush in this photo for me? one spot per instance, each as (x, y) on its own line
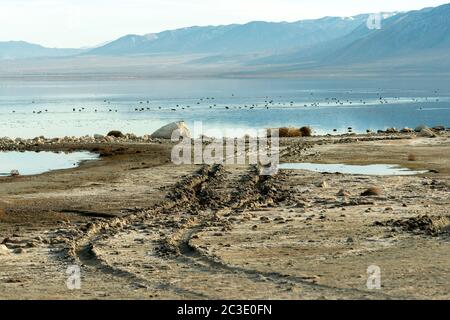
(294, 132)
(306, 131)
(283, 132)
(289, 132)
(412, 157)
(372, 191)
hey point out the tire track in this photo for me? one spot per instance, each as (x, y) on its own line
(82, 250)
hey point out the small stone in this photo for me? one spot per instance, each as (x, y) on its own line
(265, 219)
(140, 285)
(4, 250)
(372, 191)
(18, 251)
(324, 185)
(343, 193)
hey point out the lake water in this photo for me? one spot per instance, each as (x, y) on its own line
(373, 169)
(28, 163)
(231, 107)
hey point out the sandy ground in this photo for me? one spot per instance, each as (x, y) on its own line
(140, 227)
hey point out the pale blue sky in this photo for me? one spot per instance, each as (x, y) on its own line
(77, 23)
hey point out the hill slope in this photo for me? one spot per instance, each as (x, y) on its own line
(22, 49)
(234, 39)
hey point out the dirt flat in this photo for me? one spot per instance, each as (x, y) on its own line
(140, 227)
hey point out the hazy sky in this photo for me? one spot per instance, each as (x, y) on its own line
(78, 23)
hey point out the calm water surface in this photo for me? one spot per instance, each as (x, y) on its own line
(225, 107)
(38, 162)
(371, 170)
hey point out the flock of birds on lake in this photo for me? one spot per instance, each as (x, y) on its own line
(267, 104)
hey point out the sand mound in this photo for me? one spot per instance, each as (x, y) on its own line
(433, 226)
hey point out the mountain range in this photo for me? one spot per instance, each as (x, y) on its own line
(22, 50)
(329, 41)
(253, 37)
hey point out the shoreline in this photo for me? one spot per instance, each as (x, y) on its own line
(43, 143)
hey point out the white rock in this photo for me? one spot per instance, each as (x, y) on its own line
(4, 250)
(166, 131)
(427, 133)
(420, 128)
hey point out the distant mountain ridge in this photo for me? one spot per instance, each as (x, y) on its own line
(401, 35)
(410, 32)
(412, 42)
(257, 36)
(22, 49)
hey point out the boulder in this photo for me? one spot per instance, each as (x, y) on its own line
(391, 130)
(439, 128)
(166, 131)
(420, 128)
(406, 130)
(115, 134)
(427, 133)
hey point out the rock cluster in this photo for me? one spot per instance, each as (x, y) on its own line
(7, 143)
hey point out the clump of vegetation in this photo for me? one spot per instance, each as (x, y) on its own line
(306, 131)
(289, 132)
(412, 157)
(294, 132)
(372, 191)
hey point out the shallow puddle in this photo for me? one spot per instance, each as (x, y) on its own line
(373, 169)
(30, 162)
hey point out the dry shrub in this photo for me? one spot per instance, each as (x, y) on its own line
(283, 132)
(294, 132)
(372, 191)
(289, 132)
(306, 131)
(412, 157)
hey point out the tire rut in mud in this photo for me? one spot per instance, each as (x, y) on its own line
(82, 250)
(252, 191)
